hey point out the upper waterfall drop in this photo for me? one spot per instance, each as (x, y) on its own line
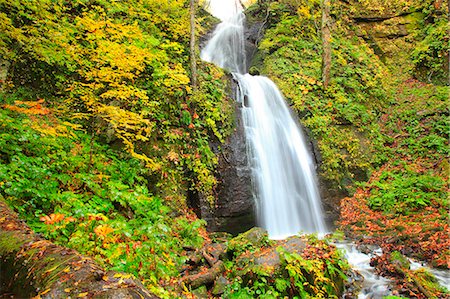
(226, 46)
(283, 173)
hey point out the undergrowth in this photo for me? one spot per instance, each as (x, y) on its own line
(84, 195)
(318, 272)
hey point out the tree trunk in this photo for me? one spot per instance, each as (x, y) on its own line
(192, 47)
(326, 34)
(4, 68)
(32, 266)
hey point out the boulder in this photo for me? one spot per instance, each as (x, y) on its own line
(252, 239)
(268, 259)
(220, 285)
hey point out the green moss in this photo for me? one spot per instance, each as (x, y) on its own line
(399, 259)
(317, 271)
(10, 242)
(252, 240)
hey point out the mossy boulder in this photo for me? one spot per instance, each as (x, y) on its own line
(299, 266)
(399, 259)
(220, 285)
(250, 240)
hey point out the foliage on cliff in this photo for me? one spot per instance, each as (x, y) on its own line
(342, 117)
(90, 78)
(119, 69)
(404, 205)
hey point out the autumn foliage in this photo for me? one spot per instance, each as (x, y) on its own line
(120, 71)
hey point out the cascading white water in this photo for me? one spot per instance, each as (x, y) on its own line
(287, 197)
(286, 192)
(226, 47)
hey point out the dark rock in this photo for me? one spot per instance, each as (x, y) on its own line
(233, 211)
(253, 34)
(4, 68)
(330, 192)
(367, 248)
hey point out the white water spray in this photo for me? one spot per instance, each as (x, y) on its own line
(286, 192)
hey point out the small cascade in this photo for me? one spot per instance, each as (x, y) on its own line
(374, 286)
(286, 193)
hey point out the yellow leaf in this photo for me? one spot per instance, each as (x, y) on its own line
(52, 269)
(120, 275)
(80, 295)
(67, 290)
(45, 292)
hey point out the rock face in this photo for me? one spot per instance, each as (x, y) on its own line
(388, 29)
(4, 67)
(234, 207)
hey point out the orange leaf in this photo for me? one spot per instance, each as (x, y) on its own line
(53, 218)
(103, 230)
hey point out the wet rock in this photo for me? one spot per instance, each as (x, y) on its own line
(353, 285)
(233, 210)
(367, 248)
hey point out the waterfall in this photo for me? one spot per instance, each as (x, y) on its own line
(283, 173)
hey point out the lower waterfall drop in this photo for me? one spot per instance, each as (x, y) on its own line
(283, 173)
